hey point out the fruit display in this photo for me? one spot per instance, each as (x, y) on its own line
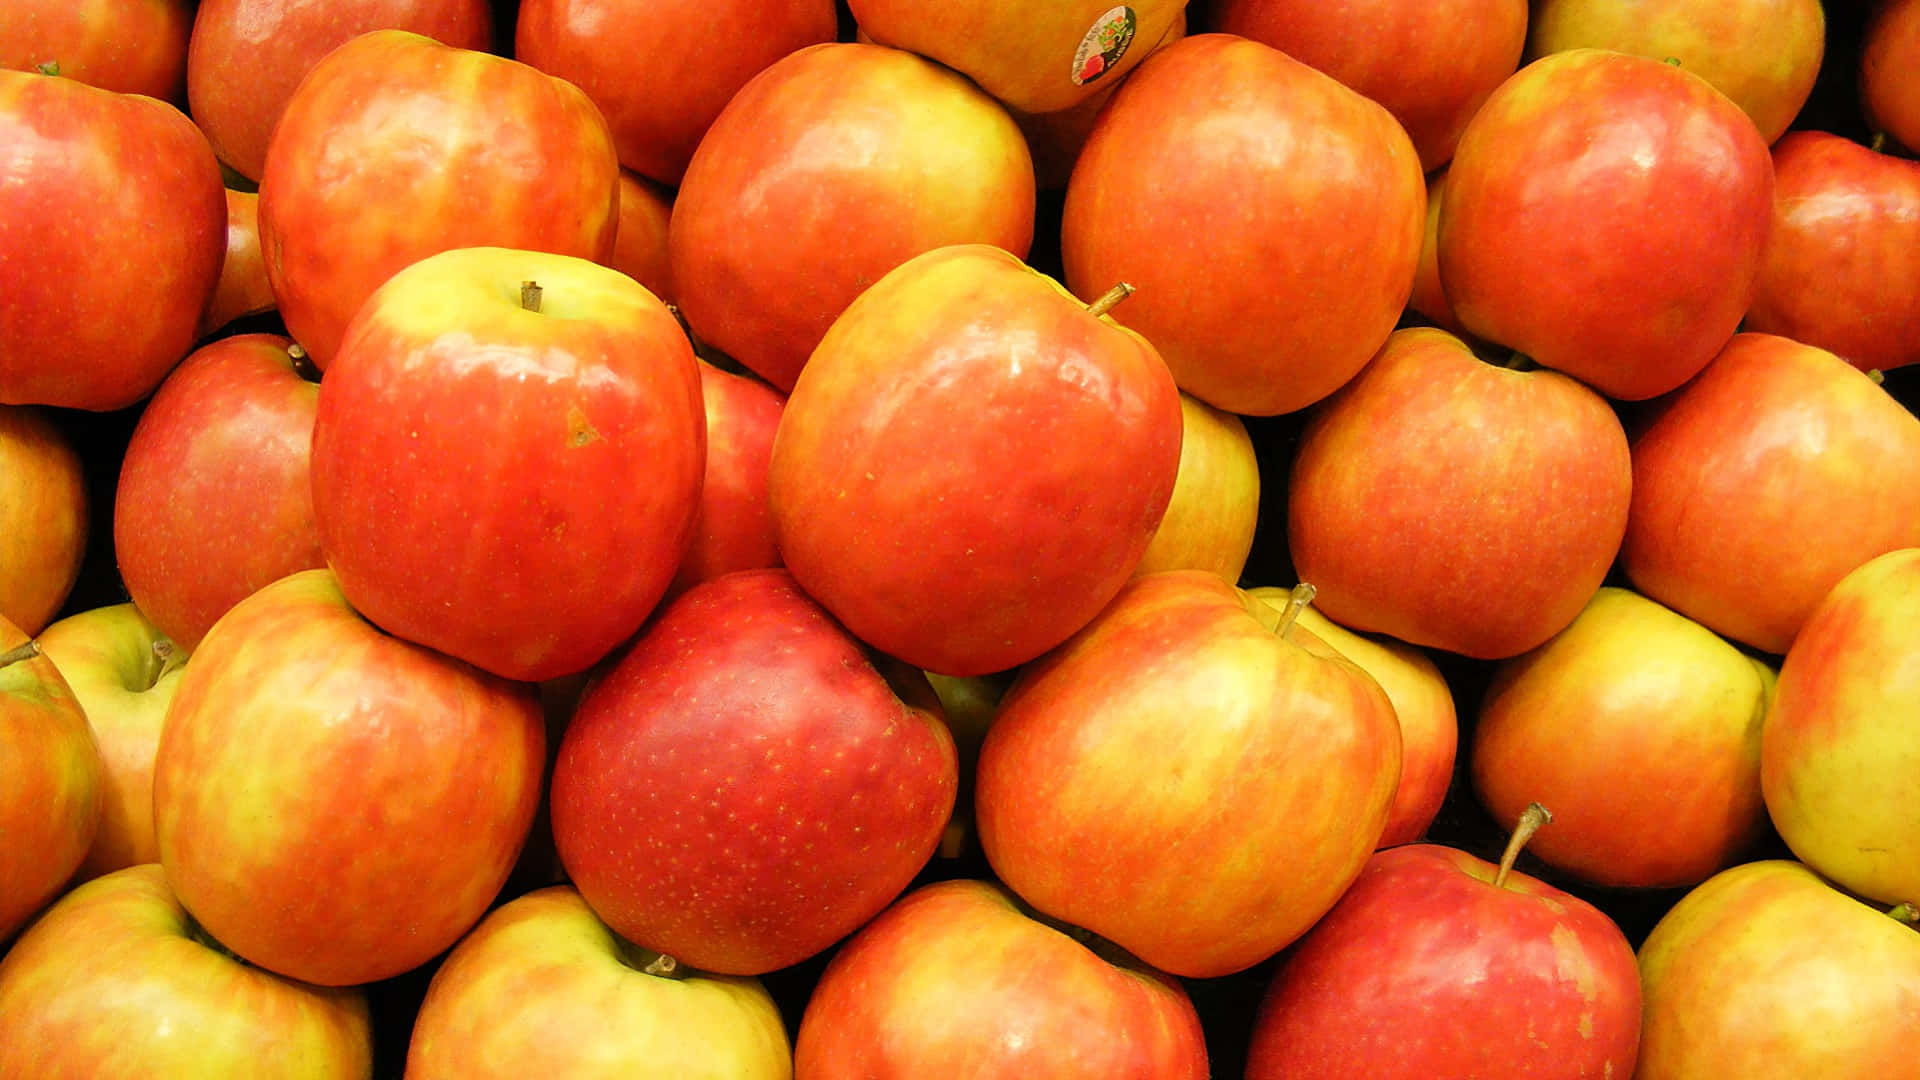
(870, 540)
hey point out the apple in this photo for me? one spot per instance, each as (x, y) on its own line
(50, 800)
(972, 462)
(662, 71)
(1839, 747)
(243, 288)
(215, 495)
(542, 988)
(1456, 505)
(827, 170)
(748, 784)
(1215, 506)
(1241, 243)
(507, 458)
(133, 176)
(44, 516)
(733, 527)
(334, 804)
(1889, 58)
(1191, 776)
(1841, 268)
(130, 47)
(1605, 215)
(640, 239)
(1431, 64)
(1034, 59)
(123, 671)
(957, 979)
(1764, 481)
(1429, 297)
(969, 703)
(1767, 970)
(246, 56)
(1762, 54)
(427, 147)
(1641, 728)
(1438, 963)
(117, 980)
(1422, 702)
(1056, 138)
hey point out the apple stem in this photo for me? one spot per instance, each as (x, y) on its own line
(48, 67)
(1297, 600)
(1905, 911)
(1878, 143)
(1879, 377)
(169, 655)
(303, 364)
(1672, 61)
(26, 651)
(652, 962)
(1518, 361)
(530, 296)
(1109, 299)
(1531, 819)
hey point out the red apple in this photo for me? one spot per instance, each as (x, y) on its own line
(662, 71)
(243, 288)
(1890, 71)
(1605, 215)
(50, 801)
(96, 324)
(972, 463)
(1763, 54)
(1056, 138)
(1191, 776)
(1842, 264)
(1215, 506)
(640, 240)
(1438, 963)
(1241, 242)
(1641, 728)
(334, 804)
(827, 170)
(956, 979)
(507, 458)
(117, 980)
(748, 784)
(1766, 970)
(123, 671)
(246, 57)
(1456, 505)
(128, 46)
(1840, 749)
(1429, 298)
(1763, 482)
(44, 517)
(1431, 64)
(733, 528)
(427, 147)
(215, 497)
(542, 988)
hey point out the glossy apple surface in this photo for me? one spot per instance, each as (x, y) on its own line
(1210, 519)
(733, 528)
(44, 516)
(640, 240)
(1890, 71)
(50, 803)
(128, 46)
(243, 288)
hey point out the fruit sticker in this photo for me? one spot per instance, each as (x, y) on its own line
(1104, 44)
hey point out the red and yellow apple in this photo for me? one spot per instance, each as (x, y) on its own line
(50, 781)
(1889, 75)
(128, 46)
(243, 288)
(1210, 519)
(733, 527)
(44, 516)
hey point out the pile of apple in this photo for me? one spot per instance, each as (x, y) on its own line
(782, 539)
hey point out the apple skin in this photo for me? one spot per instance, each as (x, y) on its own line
(1055, 138)
(1422, 702)
(542, 988)
(246, 56)
(44, 517)
(968, 410)
(1763, 54)
(134, 176)
(733, 528)
(1762, 483)
(334, 804)
(1889, 58)
(787, 211)
(511, 487)
(1426, 968)
(1595, 187)
(640, 240)
(956, 979)
(1184, 781)
(1842, 264)
(1640, 728)
(116, 981)
(1767, 970)
(127, 46)
(1252, 298)
(1839, 750)
(1215, 506)
(1457, 505)
(1431, 64)
(810, 780)
(123, 671)
(662, 70)
(1429, 297)
(432, 147)
(215, 495)
(51, 800)
(243, 288)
